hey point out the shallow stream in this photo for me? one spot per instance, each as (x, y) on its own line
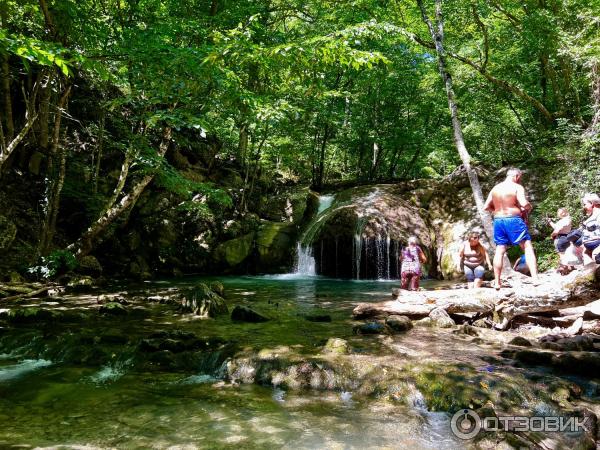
(79, 383)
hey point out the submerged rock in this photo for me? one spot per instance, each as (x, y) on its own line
(336, 345)
(398, 324)
(318, 317)
(370, 328)
(245, 314)
(113, 308)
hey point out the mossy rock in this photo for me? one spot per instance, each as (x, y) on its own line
(114, 309)
(235, 251)
(218, 288)
(203, 301)
(336, 346)
(29, 315)
(80, 282)
(274, 242)
(398, 324)
(89, 265)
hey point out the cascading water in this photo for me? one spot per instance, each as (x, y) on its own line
(349, 239)
(305, 265)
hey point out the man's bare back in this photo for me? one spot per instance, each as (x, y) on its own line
(509, 205)
(507, 199)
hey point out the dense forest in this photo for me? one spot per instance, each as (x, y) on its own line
(224, 103)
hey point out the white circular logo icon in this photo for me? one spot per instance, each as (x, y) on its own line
(465, 424)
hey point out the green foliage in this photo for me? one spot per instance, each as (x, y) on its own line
(56, 263)
(546, 254)
(39, 52)
(317, 91)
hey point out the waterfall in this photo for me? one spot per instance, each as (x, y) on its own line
(369, 251)
(305, 264)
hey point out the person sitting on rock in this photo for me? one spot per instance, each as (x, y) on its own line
(473, 255)
(588, 234)
(561, 228)
(411, 257)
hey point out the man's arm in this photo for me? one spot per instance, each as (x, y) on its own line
(522, 200)
(489, 203)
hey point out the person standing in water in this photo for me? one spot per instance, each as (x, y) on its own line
(412, 257)
(509, 205)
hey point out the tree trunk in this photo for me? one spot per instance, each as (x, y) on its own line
(90, 237)
(321, 171)
(96, 167)
(12, 145)
(56, 180)
(7, 101)
(120, 182)
(214, 7)
(44, 112)
(8, 117)
(438, 38)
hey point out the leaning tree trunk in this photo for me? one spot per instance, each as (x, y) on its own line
(90, 237)
(438, 38)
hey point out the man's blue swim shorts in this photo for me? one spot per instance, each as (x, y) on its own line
(510, 230)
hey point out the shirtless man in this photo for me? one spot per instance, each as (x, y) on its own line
(508, 204)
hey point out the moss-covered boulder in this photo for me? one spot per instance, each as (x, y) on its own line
(398, 324)
(139, 268)
(274, 244)
(203, 301)
(234, 252)
(29, 315)
(89, 265)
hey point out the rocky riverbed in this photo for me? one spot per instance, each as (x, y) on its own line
(273, 346)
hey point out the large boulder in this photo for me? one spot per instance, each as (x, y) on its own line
(89, 265)
(235, 251)
(289, 206)
(274, 243)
